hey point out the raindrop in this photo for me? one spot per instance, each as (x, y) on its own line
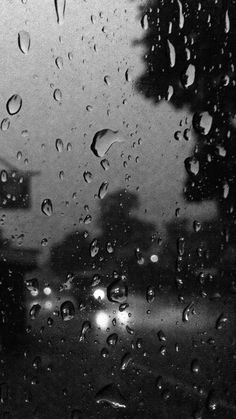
(181, 16)
(46, 207)
(67, 311)
(227, 22)
(103, 140)
(192, 165)
(103, 190)
(117, 291)
(161, 335)
(196, 226)
(112, 396)
(107, 80)
(88, 177)
(195, 366)
(14, 104)
(171, 53)
(221, 321)
(112, 339)
(34, 311)
(170, 92)
(32, 285)
(60, 6)
(59, 145)
(180, 246)
(126, 360)
(5, 124)
(105, 164)
(85, 327)
(189, 76)
(59, 62)
(94, 248)
(144, 22)
(150, 294)
(24, 41)
(202, 122)
(57, 94)
(187, 311)
(4, 176)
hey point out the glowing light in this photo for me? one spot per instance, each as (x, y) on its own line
(123, 316)
(47, 290)
(154, 258)
(99, 294)
(34, 293)
(48, 305)
(102, 320)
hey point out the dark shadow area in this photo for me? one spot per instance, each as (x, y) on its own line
(15, 262)
(190, 59)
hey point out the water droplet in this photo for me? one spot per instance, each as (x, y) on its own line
(170, 92)
(34, 311)
(4, 176)
(94, 248)
(32, 285)
(85, 327)
(46, 207)
(192, 165)
(59, 145)
(60, 6)
(196, 226)
(161, 335)
(212, 401)
(112, 339)
(144, 22)
(126, 360)
(14, 104)
(67, 310)
(109, 247)
(180, 246)
(171, 53)
(181, 16)
(150, 294)
(195, 366)
(112, 396)
(202, 122)
(103, 140)
(128, 77)
(117, 291)
(221, 321)
(227, 22)
(5, 124)
(177, 135)
(189, 76)
(105, 164)
(24, 41)
(57, 94)
(59, 62)
(103, 190)
(107, 80)
(187, 311)
(88, 177)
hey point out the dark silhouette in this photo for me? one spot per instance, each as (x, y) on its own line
(190, 60)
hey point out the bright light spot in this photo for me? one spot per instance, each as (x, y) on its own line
(47, 290)
(123, 316)
(48, 305)
(34, 293)
(99, 294)
(154, 258)
(102, 320)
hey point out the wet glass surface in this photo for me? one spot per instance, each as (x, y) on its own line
(117, 209)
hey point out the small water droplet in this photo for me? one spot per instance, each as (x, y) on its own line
(88, 177)
(112, 339)
(126, 360)
(59, 145)
(57, 94)
(24, 41)
(186, 311)
(105, 164)
(150, 294)
(188, 76)
(59, 62)
(202, 122)
(172, 53)
(46, 207)
(144, 22)
(14, 104)
(94, 248)
(107, 80)
(103, 190)
(117, 291)
(195, 366)
(4, 176)
(34, 311)
(85, 327)
(5, 124)
(192, 166)
(67, 310)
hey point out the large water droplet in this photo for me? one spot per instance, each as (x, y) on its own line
(202, 122)
(60, 6)
(112, 396)
(67, 310)
(103, 140)
(46, 207)
(103, 190)
(117, 291)
(24, 41)
(88, 177)
(14, 104)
